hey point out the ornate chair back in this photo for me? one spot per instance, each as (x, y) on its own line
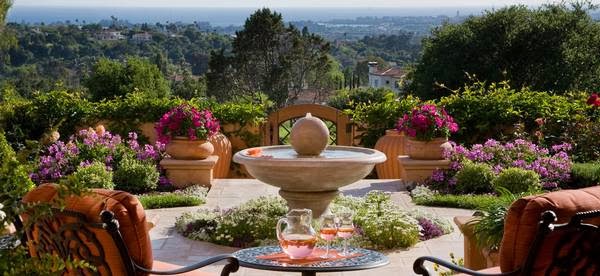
(107, 229)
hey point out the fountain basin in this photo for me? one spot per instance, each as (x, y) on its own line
(309, 181)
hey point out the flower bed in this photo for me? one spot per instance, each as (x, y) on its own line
(379, 223)
(92, 147)
(473, 170)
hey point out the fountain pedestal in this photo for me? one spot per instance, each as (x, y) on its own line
(318, 202)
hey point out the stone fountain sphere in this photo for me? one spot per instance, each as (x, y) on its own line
(309, 136)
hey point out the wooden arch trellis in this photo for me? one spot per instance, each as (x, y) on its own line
(279, 123)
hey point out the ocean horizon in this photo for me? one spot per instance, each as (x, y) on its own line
(215, 16)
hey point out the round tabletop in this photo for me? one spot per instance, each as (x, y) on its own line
(366, 259)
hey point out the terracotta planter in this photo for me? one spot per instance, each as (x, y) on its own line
(183, 149)
(427, 150)
(223, 150)
(392, 145)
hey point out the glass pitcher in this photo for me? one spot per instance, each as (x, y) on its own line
(299, 238)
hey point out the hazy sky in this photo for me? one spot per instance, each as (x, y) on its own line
(275, 3)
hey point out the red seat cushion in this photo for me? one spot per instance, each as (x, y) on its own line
(522, 222)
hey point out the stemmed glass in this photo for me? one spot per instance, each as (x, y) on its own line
(328, 232)
(345, 230)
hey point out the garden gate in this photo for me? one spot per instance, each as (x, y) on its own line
(279, 125)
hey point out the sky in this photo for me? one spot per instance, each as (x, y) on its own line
(277, 3)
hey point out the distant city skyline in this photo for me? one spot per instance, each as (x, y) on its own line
(279, 3)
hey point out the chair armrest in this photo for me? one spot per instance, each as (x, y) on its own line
(231, 266)
(419, 267)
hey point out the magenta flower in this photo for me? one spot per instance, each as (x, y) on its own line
(186, 120)
(427, 122)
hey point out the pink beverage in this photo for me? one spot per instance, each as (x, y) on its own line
(328, 234)
(298, 246)
(345, 232)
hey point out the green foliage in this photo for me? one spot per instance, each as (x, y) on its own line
(168, 200)
(55, 110)
(95, 175)
(271, 58)
(41, 56)
(190, 196)
(517, 180)
(189, 87)
(492, 111)
(585, 175)
(489, 229)
(16, 261)
(421, 195)
(373, 119)
(384, 224)
(135, 176)
(243, 226)
(474, 178)
(346, 98)
(514, 43)
(14, 181)
(111, 78)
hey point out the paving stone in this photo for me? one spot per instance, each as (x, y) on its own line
(170, 246)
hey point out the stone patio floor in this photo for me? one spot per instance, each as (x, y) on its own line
(169, 246)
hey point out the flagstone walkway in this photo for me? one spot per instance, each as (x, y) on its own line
(169, 246)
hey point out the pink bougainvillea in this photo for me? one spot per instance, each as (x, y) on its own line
(185, 120)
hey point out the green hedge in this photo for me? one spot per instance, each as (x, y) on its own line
(29, 119)
(499, 112)
(585, 174)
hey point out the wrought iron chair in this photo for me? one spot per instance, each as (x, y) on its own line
(571, 248)
(108, 230)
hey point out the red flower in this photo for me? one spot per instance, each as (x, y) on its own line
(593, 100)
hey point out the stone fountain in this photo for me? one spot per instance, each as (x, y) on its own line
(309, 173)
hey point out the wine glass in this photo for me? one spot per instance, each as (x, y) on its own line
(345, 230)
(328, 232)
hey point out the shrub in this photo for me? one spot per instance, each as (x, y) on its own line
(553, 165)
(585, 175)
(62, 159)
(424, 196)
(517, 180)
(136, 176)
(474, 178)
(169, 200)
(94, 175)
(346, 98)
(491, 111)
(373, 119)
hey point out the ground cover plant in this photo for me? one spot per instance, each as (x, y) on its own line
(379, 222)
(191, 196)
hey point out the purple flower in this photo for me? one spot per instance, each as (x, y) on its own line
(429, 229)
(438, 175)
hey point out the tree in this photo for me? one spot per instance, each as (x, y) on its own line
(267, 57)
(7, 39)
(112, 78)
(551, 48)
(221, 77)
(259, 50)
(190, 87)
(309, 56)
